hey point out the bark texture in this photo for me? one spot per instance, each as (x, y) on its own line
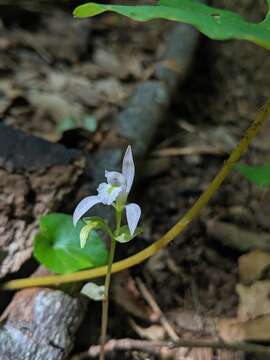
(35, 175)
(40, 324)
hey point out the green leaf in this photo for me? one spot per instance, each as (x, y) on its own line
(87, 122)
(125, 236)
(215, 23)
(85, 232)
(93, 223)
(259, 174)
(57, 245)
(67, 123)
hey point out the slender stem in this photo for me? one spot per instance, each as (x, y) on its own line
(105, 303)
(176, 230)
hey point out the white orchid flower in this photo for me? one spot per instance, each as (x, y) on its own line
(114, 192)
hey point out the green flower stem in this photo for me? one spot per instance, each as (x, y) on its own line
(105, 303)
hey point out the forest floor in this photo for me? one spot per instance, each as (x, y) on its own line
(64, 81)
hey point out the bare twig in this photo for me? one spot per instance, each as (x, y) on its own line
(157, 347)
(152, 302)
(190, 150)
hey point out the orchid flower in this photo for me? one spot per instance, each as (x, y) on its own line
(114, 193)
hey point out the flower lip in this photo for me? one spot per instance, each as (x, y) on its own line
(108, 193)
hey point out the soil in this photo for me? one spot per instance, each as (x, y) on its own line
(226, 86)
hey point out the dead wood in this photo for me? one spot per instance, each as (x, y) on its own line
(35, 175)
(40, 324)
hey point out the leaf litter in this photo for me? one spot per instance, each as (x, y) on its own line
(197, 281)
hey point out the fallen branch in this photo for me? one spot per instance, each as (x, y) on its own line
(156, 347)
(149, 298)
(40, 324)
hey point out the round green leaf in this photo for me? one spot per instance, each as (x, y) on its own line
(57, 245)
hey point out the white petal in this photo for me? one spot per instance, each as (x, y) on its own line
(83, 206)
(108, 193)
(93, 291)
(128, 168)
(133, 213)
(115, 178)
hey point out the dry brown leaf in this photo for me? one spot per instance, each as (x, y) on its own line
(237, 237)
(55, 105)
(126, 295)
(119, 65)
(153, 332)
(252, 265)
(233, 330)
(254, 300)
(191, 321)
(253, 318)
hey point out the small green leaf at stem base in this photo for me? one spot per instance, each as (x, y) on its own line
(86, 232)
(125, 236)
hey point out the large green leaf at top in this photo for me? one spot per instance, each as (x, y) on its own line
(57, 245)
(216, 23)
(258, 174)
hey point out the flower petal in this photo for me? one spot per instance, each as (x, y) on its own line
(128, 168)
(108, 193)
(133, 213)
(83, 206)
(93, 291)
(115, 178)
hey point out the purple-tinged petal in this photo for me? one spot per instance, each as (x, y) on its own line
(133, 213)
(128, 168)
(108, 193)
(115, 178)
(83, 206)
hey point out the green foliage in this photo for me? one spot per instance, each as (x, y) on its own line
(125, 236)
(93, 223)
(68, 123)
(258, 174)
(57, 245)
(216, 23)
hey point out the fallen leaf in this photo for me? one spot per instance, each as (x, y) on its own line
(252, 265)
(191, 321)
(126, 295)
(254, 300)
(153, 332)
(233, 330)
(238, 237)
